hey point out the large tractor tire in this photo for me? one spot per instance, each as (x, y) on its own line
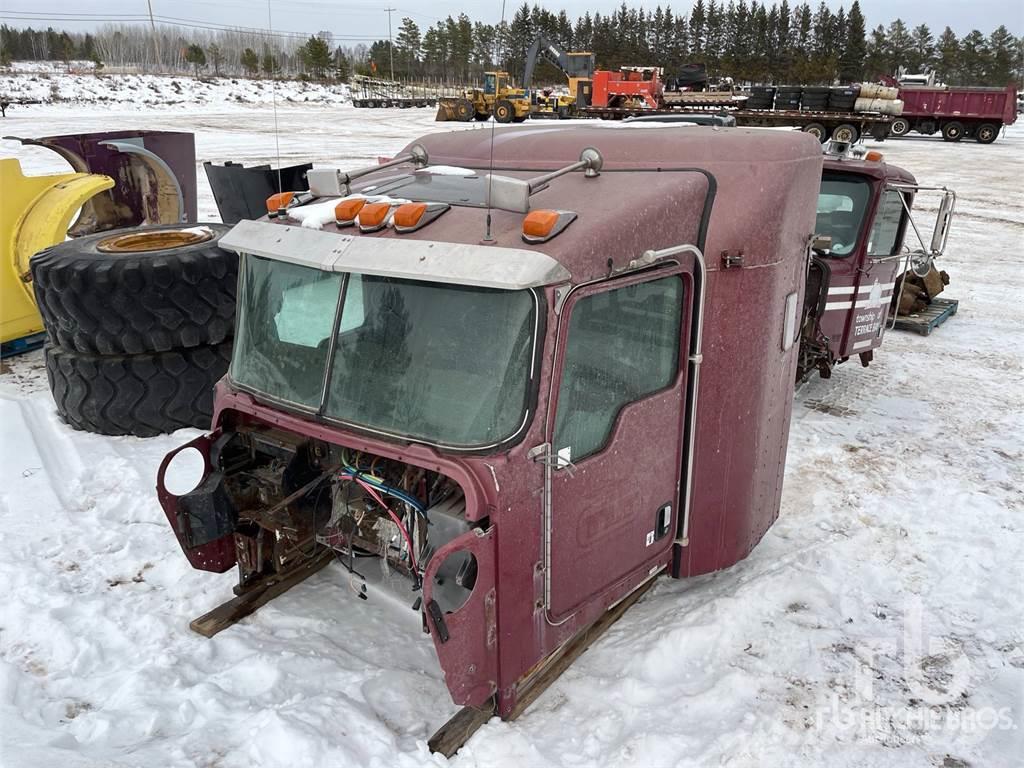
(132, 291)
(142, 395)
(504, 112)
(464, 110)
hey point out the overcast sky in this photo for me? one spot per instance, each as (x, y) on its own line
(352, 21)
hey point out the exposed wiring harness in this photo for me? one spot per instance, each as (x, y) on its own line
(348, 474)
(367, 476)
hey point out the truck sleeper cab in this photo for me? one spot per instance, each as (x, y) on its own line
(528, 412)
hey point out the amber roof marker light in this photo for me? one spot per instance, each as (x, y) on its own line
(541, 225)
(346, 211)
(373, 217)
(409, 217)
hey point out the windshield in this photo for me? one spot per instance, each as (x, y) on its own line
(446, 364)
(841, 206)
(285, 319)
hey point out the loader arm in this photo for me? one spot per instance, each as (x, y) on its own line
(572, 65)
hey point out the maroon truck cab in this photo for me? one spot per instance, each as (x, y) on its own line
(865, 215)
(529, 411)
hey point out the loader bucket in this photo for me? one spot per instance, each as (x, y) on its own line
(154, 174)
(458, 109)
(241, 193)
(36, 214)
(445, 110)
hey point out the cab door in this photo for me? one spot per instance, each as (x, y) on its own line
(881, 265)
(615, 433)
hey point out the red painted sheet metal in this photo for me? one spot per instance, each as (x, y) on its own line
(974, 103)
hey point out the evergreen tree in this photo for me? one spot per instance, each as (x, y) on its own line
(973, 59)
(270, 64)
(216, 58)
(922, 52)
(698, 29)
(250, 62)
(948, 56)
(316, 57)
(855, 47)
(899, 46)
(342, 67)
(195, 56)
(407, 48)
(1002, 48)
(877, 62)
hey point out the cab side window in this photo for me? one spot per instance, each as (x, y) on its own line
(885, 231)
(622, 346)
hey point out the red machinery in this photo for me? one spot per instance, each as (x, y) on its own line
(629, 87)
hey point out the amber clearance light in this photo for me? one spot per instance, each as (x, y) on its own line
(409, 217)
(541, 225)
(346, 211)
(373, 216)
(874, 156)
(279, 202)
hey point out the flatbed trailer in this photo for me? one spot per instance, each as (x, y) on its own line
(841, 126)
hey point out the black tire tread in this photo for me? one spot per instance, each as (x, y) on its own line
(141, 395)
(136, 303)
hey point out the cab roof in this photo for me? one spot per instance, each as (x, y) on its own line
(659, 186)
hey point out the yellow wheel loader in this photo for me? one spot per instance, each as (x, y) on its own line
(496, 98)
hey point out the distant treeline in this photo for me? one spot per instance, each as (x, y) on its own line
(751, 42)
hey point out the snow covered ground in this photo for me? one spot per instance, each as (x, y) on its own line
(48, 83)
(879, 623)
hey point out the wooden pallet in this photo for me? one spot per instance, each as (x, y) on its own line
(938, 312)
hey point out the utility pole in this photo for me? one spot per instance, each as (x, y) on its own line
(391, 45)
(156, 41)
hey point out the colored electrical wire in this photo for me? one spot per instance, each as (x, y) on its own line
(401, 527)
(380, 485)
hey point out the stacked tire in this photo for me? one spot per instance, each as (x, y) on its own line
(761, 97)
(815, 99)
(139, 325)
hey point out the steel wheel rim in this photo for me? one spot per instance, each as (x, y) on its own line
(145, 242)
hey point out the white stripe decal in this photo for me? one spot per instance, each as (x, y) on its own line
(863, 344)
(832, 305)
(846, 290)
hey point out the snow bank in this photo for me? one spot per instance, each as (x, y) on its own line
(162, 91)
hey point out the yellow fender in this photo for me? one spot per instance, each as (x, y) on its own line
(35, 213)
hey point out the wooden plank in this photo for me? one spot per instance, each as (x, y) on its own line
(449, 738)
(257, 595)
(572, 650)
